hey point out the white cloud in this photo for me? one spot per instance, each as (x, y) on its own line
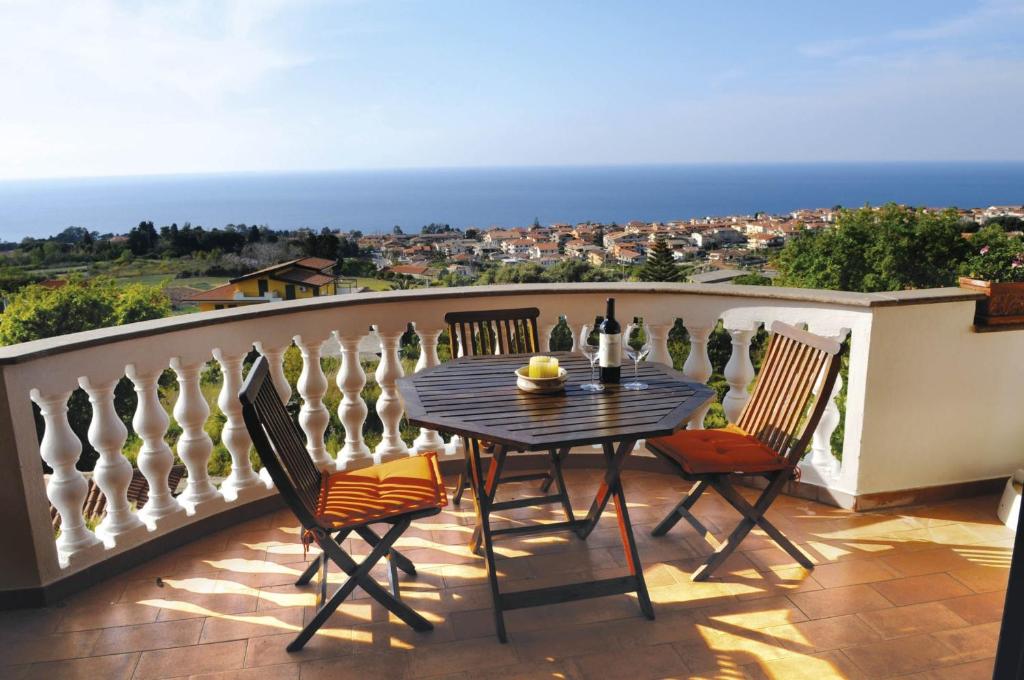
(986, 16)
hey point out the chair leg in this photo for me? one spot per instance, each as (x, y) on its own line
(682, 511)
(753, 515)
(400, 560)
(358, 574)
(314, 566)
(750, 512)
(461, 484)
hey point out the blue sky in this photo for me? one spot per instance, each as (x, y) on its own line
(99, 87)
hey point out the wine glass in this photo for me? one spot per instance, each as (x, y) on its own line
(637, 351)
(590, 351)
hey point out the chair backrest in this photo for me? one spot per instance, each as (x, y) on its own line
(498, 331)
(278, 442)
(794, 363)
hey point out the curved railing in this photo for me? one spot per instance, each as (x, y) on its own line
(47, 372)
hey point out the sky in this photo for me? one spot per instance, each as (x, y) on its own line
(102, 87)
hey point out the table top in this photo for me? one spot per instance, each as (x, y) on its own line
(477, 397)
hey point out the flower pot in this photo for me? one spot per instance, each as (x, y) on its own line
(1003, 304)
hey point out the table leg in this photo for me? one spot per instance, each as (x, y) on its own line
(611, 487)
(614, 460)
(483, 521)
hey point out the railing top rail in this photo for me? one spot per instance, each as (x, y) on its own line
(36, 349)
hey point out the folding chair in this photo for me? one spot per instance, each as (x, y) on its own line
(501, 331)
(330, 507)
(761, 443)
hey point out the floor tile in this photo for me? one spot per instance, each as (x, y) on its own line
(168, 663)
(895, 657)
(913, 619)
(838, 601)
(915, 589)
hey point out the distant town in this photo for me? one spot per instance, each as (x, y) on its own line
(716, 247)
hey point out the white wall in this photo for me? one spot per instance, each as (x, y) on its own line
(945, 404)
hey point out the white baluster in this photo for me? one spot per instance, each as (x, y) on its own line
(155, 457)
(194, 445)
(352, 410)
(456, 447)
(389, 404)
(658, 334)
(429, 440)
(822, 460)
(313, 416)
(275, 366)
(697, 367)
(739, 371)
(544, 331)
(234, 435)
(113, 472)
(60, 448)
(822, 457)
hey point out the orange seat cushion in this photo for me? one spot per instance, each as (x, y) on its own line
(381, 491)
(720, 451)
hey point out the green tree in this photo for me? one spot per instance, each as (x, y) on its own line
(660, 266)
(876, 249)
(752, 279)
(36, 313)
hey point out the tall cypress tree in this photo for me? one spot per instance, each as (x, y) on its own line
(659, 265)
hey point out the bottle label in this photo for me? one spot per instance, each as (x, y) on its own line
(610, 351)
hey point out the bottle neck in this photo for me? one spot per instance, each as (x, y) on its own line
(610, 312)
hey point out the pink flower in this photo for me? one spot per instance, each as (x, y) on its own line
(984, 250)
(1016, 263)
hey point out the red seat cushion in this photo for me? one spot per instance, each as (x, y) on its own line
(720, 451)
(381, 491)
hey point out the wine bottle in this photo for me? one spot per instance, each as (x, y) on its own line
(610, 346)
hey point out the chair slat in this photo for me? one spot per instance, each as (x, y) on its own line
(501, 331)
(784, 386)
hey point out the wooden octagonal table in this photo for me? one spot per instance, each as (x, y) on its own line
(477, 398)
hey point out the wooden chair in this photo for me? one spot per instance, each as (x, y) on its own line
(762, 442)
(504, 331)
(330, 507)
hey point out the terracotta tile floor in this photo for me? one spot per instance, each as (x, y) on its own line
(913, 592)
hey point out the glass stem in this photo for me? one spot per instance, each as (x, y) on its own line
(636, 370)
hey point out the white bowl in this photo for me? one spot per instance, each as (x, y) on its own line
(540, 385)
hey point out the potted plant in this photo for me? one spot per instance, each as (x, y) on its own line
(996, 269)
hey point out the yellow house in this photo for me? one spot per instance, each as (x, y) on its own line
(298, 279)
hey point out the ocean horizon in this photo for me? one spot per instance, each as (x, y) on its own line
(376, 200)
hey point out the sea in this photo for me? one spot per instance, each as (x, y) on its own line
(375, 201)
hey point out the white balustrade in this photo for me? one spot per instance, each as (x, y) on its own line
(739, 372)
(352, 409)
(389, 404)
(243, 480)
(155, 457)
(822, 459)
(194, 444)
(428, 440)
(544, 330)
(275, 366)
(113, 472)
(697, 366)
(657, 334)
(67, 488)
(48, 374)
(312, 386)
